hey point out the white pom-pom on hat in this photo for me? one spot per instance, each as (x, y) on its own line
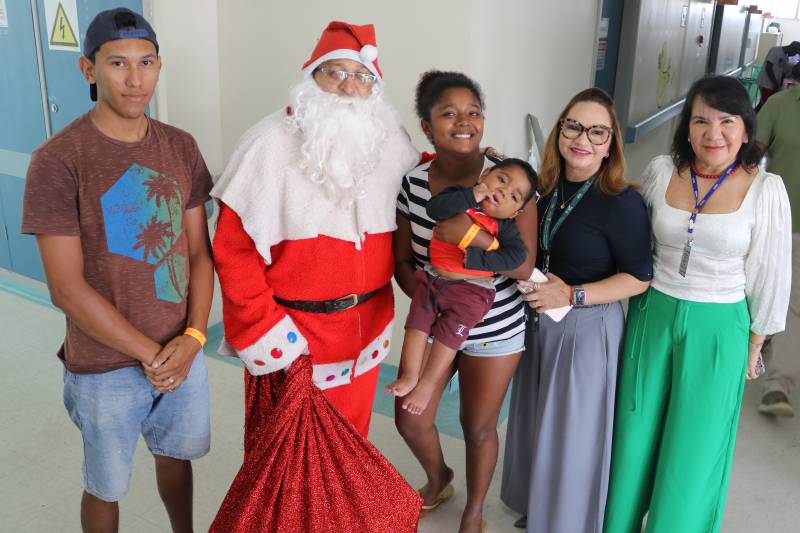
(368, 53)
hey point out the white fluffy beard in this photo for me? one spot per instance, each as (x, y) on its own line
(343, 138)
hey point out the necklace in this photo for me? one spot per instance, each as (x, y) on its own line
(563, 204)
(713, 176)
(549, 229)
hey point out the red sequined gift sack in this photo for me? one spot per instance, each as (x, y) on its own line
(310, 470)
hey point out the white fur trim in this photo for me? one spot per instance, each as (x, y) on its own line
(276, 201)
(331, 375)
(343, 53)
(275, 350)
(375, 352)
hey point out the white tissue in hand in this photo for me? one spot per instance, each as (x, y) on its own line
(555, 314)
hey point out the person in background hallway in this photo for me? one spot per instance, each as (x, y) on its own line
(722, 274)
(115, 200)
(594, 246)
(450, 107)
(779, 135)
(774, 70)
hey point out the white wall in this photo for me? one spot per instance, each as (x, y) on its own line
(189, 88)
(514, 48)
(521, 55)
(790, 29)
(232, 62)
(264, 44)
(530, 57)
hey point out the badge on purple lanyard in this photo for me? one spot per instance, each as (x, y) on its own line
(698, 206)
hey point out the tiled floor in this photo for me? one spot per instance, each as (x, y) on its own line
(40, 449)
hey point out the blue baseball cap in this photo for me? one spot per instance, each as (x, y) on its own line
(113, 25)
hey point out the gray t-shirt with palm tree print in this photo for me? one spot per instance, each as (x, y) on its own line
(127, 202)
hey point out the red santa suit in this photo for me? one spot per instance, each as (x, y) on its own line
(278, 235)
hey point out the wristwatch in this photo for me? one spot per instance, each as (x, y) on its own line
(578, 296)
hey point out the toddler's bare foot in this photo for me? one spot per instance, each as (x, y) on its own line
(401, 386)
(417, 400)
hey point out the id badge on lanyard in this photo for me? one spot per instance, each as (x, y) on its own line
(698, 206)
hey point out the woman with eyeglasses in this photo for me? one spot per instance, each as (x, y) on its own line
(722, 277)
(594, 246)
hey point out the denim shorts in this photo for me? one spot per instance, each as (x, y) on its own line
(508, 346)
(112, 409)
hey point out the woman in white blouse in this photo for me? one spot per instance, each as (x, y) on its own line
(722, 238)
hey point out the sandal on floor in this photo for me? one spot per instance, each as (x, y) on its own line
(442, 497)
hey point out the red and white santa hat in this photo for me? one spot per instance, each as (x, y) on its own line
(341, 40)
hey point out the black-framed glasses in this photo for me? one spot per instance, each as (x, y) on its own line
(597, 134)
(339, 76)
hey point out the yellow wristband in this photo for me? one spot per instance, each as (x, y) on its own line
(469, 236)
(494, 246)
(196, 334)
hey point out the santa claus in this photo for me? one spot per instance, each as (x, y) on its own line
(303, 240)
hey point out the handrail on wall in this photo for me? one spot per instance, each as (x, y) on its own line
(632, 133)
(536, 141)
(652, 122)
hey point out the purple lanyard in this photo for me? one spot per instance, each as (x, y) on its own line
(699, 205)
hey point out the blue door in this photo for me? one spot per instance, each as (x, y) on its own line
(62, 27)
(22, 248)
(22, 129)
(67, 90)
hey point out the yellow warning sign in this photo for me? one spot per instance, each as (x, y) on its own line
(62, 34)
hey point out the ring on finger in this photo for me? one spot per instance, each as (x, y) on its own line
(171, 380)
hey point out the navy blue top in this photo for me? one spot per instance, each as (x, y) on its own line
(602, 236)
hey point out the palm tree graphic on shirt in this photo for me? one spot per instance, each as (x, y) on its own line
(156, 239)
(143, 215)
(164, 189)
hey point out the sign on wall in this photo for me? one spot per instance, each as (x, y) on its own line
(3, 14)
(62, 25)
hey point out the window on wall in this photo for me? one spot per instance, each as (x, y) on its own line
(782, 9)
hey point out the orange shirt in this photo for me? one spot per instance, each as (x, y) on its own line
(450, 257)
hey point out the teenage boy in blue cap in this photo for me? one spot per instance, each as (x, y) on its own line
(115, 200)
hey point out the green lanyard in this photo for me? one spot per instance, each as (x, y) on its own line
(548, 234)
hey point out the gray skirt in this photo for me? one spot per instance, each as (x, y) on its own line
(558, 445)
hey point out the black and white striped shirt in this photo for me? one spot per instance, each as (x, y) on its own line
(506, 318)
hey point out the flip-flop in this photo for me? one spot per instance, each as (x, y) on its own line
(442, 497)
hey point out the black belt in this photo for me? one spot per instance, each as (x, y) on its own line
(328, 306)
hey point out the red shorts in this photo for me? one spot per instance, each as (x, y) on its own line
(447, 309)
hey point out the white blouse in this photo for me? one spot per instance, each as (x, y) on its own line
(744, 254)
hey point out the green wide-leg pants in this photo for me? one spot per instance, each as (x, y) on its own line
(679, 394)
